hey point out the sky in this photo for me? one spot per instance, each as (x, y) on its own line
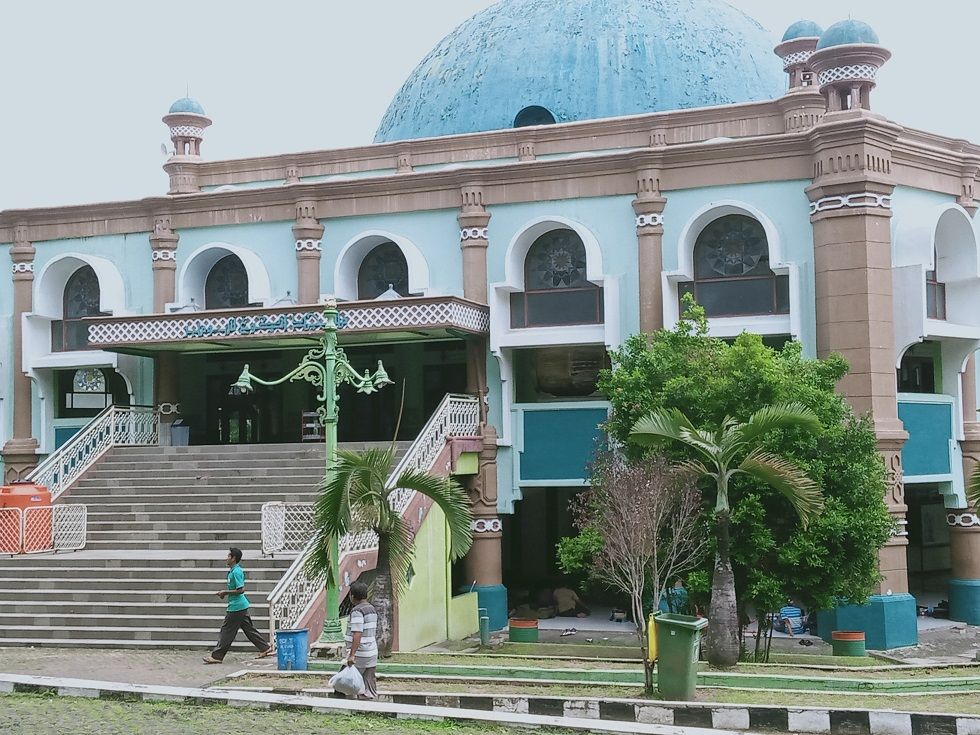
(84, 84)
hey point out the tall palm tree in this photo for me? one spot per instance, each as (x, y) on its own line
(355, 497)
(730, 449)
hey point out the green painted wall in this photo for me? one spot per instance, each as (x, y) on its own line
(463, 616)
(422, 609)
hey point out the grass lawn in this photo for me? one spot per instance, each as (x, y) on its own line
(27, 713)
(943, 703)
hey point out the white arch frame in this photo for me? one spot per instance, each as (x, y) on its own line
(49, 287)
(357, 248)
(194, 273)
(733, 326)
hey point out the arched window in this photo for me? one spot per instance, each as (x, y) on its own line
(80, 301)
(383, 268)
(227, 285)
(732, 276)
(556, 290)
(533, 115)
(86, 391)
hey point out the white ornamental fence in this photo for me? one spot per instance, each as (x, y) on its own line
(286, 527)
(296, 592)
(43, 529)
(126, 426)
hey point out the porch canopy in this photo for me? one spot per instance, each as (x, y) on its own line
(359, 322)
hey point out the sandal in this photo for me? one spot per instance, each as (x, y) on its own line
(211, 660)
(267, 652)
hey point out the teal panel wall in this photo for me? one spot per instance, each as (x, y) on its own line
(930, 429)
(63, 433)
(559, 443)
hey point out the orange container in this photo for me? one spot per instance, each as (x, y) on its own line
(37, 522)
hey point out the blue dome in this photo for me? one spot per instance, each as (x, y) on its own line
(802, 29)
(186, 104)
(847, 32)
(583, 60)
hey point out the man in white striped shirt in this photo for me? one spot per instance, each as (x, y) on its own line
(362, 647)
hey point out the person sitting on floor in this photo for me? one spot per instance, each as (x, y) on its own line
(790, 619)
(675, 599)
(568, 604)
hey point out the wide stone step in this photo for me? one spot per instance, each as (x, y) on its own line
(157, 634)
(205, 597)
(149, 511)
(72, 614)
(240, 646)
(127, 576)
(200, 558)
(181, 472)
(163, 502)
(197, 584)
(168, 484)
(197, 523)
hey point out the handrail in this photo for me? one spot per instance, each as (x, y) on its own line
(114, 426)
(296, 592)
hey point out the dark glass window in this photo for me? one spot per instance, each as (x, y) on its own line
(86, 391)
(383, 268)
(917, 374)
(533, 115)
(935, 293)
(732, 276)
(227, 285)
(80, 301)
(556, 289)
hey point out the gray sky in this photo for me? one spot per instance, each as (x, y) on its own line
(85, 84)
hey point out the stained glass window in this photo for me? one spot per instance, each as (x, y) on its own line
(732, 276)
(79, 301)
(383, 268)
(227, 285)
(88, 380)
(557, 291)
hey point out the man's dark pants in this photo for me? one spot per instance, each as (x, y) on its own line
(240, 619)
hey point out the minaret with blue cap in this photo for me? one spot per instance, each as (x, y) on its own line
(798, 44)
(187, 122)
(846, 62)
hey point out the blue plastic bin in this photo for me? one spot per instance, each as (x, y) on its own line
(292, 649)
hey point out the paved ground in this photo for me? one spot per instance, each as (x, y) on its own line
(168, 668)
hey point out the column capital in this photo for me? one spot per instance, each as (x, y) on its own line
(22, 254)
(968, 178)
(473, 217)
(403, 162)
(307, 229)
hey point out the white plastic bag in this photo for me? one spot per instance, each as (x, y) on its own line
(348, 681)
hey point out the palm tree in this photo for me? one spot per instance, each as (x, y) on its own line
(730, 449)
(355, 497)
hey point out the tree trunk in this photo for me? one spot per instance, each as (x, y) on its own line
(383, 599)
(722, 639)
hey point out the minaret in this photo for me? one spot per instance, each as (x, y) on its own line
(798, 44)
(187, 121)
(846, 63)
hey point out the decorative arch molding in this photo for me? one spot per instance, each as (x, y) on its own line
(353, 253)
(194, 273)
(733, 326)
(946, 228)
(521, 243)
(49, 287)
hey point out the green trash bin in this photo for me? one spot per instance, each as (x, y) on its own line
(678, 644)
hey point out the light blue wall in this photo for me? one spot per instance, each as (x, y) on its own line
(435, 233)
(906, 199)
(272, 241)
(785, 203)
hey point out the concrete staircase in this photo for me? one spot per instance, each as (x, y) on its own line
(160, 521)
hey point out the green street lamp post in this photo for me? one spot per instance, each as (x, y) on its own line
(325, 367)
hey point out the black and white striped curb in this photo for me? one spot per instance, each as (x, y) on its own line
(21, 684)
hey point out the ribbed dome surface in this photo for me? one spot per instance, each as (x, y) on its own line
(583, 60)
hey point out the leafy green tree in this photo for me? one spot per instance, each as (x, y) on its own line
(356, 497)
(721, 453)
(836, 557)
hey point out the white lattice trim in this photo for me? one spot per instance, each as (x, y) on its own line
(23, 267)
(473, 233)
(867, 199)
(187, 131)
(649, 220)
(168, 409)
(312, 245)
(164, 255)
(797, 57)
(963, 520)
(856, 72)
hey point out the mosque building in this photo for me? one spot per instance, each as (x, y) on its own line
(552, 177)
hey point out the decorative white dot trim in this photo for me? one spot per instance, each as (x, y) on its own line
(855, 72)
(313, 245)
(164, 255)
(486, 525)
(649, 220)
(23, 268)
(168, 409)
(852, 201)
(963, 520)
(473, 233)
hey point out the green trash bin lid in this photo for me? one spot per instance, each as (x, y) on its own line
(688, 622)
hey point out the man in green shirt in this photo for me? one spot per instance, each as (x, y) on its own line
(236, 613)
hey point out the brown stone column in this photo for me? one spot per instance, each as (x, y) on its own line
(649, 208)
(20, 451)
(309, 234)
(851, 218)
(163, 246)
(964, 525)
(473, 221)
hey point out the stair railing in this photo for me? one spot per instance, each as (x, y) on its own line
(297, 591)
(116, 426)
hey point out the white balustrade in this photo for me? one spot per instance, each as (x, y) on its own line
(130, 426)
(297, 591)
